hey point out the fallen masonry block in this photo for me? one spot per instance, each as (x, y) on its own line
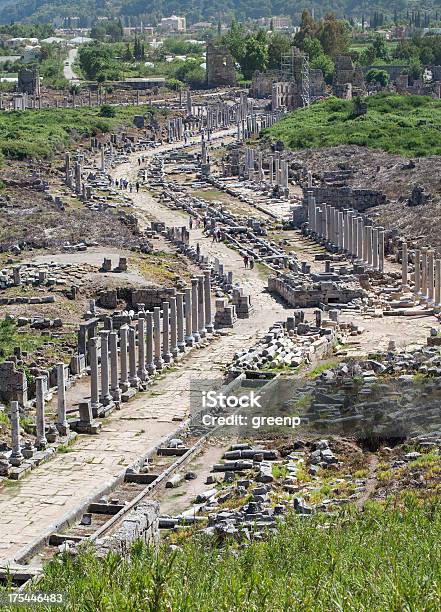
(173, 452)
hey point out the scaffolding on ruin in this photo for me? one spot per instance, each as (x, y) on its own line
(295, 67)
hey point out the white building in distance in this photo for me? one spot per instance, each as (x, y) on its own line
(174, 24)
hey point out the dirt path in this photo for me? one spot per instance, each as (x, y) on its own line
(371, 481)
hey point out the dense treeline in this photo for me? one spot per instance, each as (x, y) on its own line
(196, 10)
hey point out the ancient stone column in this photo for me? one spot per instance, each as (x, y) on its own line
(61, 424)
(173, 328)
(166, 354)
(346, 230)
(133, 376)
(340, 229)
(381, 249)
(201, 307)
(404, 267)
(208, 316)
(94, 380)
(350, 215)
(16, 456)
(375, 248)
(115, 391)
(354, 234)
(369, 246)
(417, 272)
(180, 321)
(151, 368)
(424, 273)
(40, 386)
(360, 238)
(142, 371)
(430, 276)
(157, 338)
(106, 398)
(365, 244)
(194, 309)
(123, 346)
(189, 340)
(437, 296)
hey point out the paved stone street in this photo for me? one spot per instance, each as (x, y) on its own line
(29, 508)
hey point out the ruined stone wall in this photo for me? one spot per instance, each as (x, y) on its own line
(347, 197)
(262, 83)
(220, 67)
(393, 71)
(346, 72)
(312, 296)
(316, 83)
(150, 296)
(286, 94)
(29, 81)
(13, 384)
(142, 523)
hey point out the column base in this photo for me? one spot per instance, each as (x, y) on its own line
(41, 444)
(189, 341)
(95, 407)
(196, 336)
(134, 382)
(16, 460)
(159, 364)
(63, 428)
(175, 352)
(124, 386)
(167, 357)
(151, 369)
(116, 394)
(203, 332)
(106, 400)
(142, 375)
(181, 347)
(210, 328)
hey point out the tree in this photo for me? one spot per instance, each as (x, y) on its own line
(313, 47)
(415, 68)
(128, 56)
(326, 65)
(279, 44)
(380, 49)
(234, 40)
(333, 35)
(107, 111)
(255, 55)
(379, 77)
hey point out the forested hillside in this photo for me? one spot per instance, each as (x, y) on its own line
(196, 10)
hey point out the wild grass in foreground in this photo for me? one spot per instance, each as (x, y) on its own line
(404, 125)
(383, 558)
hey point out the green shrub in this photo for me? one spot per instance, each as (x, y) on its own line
(404, 125)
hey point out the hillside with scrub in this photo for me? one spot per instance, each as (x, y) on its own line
(403, 125)
(25, 134)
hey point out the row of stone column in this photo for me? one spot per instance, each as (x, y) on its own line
(278, 170)
(427, 274)
(347, 231)
(186, 318)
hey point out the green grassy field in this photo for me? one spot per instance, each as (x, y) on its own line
(406, 125)
(35, 133)
(377, 559)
